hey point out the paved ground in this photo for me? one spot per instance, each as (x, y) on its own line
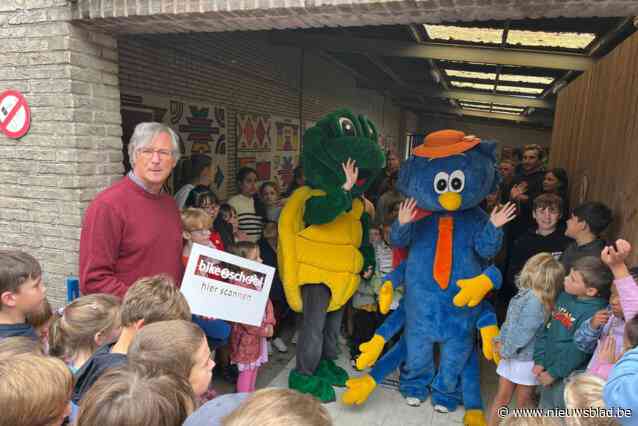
(386, 407)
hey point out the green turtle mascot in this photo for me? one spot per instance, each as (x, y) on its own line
(323, 243)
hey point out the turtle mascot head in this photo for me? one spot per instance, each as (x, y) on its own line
(335, 138)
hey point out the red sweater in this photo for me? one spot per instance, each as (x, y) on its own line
(128, 234)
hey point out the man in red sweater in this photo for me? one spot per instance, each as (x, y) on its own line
(131, 229)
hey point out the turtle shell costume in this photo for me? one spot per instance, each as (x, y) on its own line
(323, 243)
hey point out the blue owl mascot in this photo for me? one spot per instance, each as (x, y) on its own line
(450, 241)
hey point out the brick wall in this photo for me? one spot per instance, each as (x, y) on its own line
(69, 77)
(245, 73)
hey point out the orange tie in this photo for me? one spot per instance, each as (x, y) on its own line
(443, 255)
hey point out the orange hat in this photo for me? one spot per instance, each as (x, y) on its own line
(445, 143)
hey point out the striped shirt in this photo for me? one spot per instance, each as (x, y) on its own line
(249, 221)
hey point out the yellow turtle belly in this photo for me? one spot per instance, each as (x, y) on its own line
(327, 253)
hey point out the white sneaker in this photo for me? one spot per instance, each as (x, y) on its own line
(441, 409)
(269, 348)
(280, 345)
(294, 339)
(413, 402)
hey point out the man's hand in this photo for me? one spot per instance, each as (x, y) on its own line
(407, 211)
(545, 378)
(600, 318)
(351, 172)
(501, 215)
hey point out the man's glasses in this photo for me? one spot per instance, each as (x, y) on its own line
(163, 153)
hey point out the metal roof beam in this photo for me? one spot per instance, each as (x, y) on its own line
(470, 95)
(479, 114)
(488, 55)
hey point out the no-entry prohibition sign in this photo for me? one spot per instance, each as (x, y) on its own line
(15, 115)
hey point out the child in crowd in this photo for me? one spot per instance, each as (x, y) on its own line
(196, 224)
(221, 232)
(556, 356)
(83, 326)
(12, 346)
(585, 225)
(538, 284)
(148, 300)
(229, 214)
(188, 354)
(275, 407)
(21, 292)
(41, 320)
(269, 194)
(546, 237)
(621, 389)
(586, 391)
(196, 229)
(365, 301)
(268, 252)
(246, 206)
(35, 390)
(605, 330)
(135, 395)
(249, 349)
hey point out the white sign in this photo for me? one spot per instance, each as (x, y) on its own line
(224, 286)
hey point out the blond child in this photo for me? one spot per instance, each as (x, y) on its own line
(83, 326)
(187, 355)
(12, 346)
(147, 301)
(196, 229)
(34, 390)
(538, 284)
(41, 320)
(279, 407)
(136, 395)
(21, 292)
(586, 391)
(249, 348)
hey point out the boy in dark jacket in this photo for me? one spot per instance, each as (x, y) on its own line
(556, 356)
(585, 225)
(546, 237)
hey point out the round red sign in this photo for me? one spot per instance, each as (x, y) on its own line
(15, 115)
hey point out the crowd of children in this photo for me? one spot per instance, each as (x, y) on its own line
(568, 339)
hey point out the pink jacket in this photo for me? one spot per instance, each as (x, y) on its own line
(628, 291)
(245, 340)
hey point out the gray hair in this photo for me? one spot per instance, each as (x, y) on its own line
(145, 133)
